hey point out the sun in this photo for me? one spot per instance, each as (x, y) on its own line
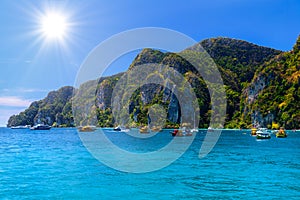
(54, 26)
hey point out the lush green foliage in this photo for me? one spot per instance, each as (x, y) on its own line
(240, 57)
(55, 109)
(280, 96)
(258, 81)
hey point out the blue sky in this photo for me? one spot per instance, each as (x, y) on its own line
(31, 65)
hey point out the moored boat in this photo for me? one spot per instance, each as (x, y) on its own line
(121, 129)
(194, 130)
(262, 133)
(21, 127)
(253, 131)
(186, 131)
(144, 129)
(41, 127)
(210, 129)
(281, 133)
(118, 128)
(156, 129)
(86, 128)
(181, 132)
(177, 133)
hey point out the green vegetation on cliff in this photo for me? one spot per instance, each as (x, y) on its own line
(239, 57)
(273, 97)
(55, 109)
(261, 84)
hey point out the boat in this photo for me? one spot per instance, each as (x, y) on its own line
(181, 132)
(156, 128)
(177, 133)
(210, 129)
(144, 129)
(281, 133)
(194, 129)
(41, 127)
(21, 127)
(262, 133)
(186, 131)
(121, 129)
(253, 131)
(118, 128)
(86, 128)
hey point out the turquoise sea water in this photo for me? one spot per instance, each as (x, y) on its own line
(55, 165)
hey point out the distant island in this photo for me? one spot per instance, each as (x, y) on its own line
(262, 88)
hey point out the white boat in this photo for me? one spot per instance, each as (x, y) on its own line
(263, 133)
(181, 132)
(194, 129)
(210, 129)
(21, 127)
(118, 128)
(121, 129)
(41, 127)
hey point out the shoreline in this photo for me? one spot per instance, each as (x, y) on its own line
(200, 129)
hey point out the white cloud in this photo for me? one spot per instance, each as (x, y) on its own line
(14, 101)
(32, 90)
(24, 90)
(5, 90)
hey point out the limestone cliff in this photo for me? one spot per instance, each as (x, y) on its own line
(262, 87)
(272, 98)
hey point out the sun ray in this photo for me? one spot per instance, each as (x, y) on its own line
(53, 30)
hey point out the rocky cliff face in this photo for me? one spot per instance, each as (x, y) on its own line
(238, 56)
(55, 110)
(237, 61)
(151, 94)
(273, 95)
(262, 87)
(105, 90)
